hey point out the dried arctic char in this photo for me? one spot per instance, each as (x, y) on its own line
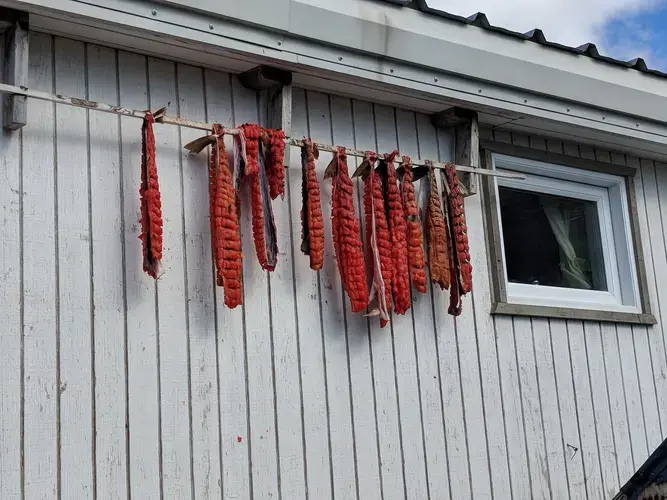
(400, 281)
(225, 229)
(378, 240)
(151, 205)
(346, 237)
(458, 234)
(312, 235)
(263, 225)
(275, 167)
(437, 236)
(414, 230)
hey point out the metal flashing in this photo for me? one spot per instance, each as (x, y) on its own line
(481, 20)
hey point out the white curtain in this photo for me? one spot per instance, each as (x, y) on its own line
(572, 266)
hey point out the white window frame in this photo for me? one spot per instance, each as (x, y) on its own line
(609, 194)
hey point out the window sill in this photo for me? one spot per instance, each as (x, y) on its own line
(503, 308)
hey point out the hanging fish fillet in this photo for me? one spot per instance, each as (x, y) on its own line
(275, 167)
(378, 240)
(458, 232)
(437, 235)
(225, 229)
(263, 225)
(149, 192)
(400, 282)
(348, 246)
(312, 228)
(414, 230)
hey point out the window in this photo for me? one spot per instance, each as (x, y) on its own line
(563, 239)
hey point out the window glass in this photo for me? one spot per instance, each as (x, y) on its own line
(551, 240)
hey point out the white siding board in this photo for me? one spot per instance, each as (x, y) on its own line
(617, 402)
(172, 323)
(257, 328)
(405, 362)
(199, 291)
(76, 461)
(107, 274)
(417, 138)
(568, 409)
(450, 368)
(145, 454)
(336, 302)
(389, 433)
(550, 407)
(11, 294)
(40, 308)
(309, 311)
(232, 371)
(287, 396)
(367, 452)
(603, 420)
(531, 408)
(514, 428)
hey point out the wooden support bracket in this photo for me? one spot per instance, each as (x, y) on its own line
(280, 112)
(15, 107)
(466, 135)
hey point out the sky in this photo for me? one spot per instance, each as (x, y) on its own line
(623, 29)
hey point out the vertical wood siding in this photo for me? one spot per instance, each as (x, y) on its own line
(113, 385)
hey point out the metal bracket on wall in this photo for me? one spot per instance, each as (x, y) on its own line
(15, 26)
(466, 138)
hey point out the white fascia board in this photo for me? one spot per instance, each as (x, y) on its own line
(355, 48)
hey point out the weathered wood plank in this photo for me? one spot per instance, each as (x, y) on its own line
(258, 322)
(405, 358)
(231, 344)
(107, 269)
(417, 138)
(11, 296)
(15, 71)
(76, 406)
(285, 343)
(199, 292)
(40, 308)
(326, 124)
(145, 454)
(313, 394)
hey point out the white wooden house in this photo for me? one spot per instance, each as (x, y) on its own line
(551, 384)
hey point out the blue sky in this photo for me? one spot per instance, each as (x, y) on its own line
(623, 29)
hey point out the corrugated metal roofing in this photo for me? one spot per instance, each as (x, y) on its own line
(537, 36)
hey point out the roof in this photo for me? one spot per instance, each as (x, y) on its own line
(652, 473)
(537, 36)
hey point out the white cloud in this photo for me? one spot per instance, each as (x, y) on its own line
(571, 22)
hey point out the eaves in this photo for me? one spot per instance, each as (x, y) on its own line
(362, 47)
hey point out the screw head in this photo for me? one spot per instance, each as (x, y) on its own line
(525, 101)
(340, 58)
(604, 117)
(435, 79)
(154, 12)
(279, 42)
(568, 110)
(637, 124)
(479, 90)
(391, 70)
(210, 26)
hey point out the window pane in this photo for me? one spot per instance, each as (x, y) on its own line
(551, 240)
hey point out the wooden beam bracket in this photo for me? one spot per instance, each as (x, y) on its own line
(466, 137)
(15, 107)
(279, 112)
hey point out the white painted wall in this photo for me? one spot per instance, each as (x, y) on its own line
(112, 384)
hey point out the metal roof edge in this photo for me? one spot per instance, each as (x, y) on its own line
(481, 21)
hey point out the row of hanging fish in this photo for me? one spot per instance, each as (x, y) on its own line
(393, 225)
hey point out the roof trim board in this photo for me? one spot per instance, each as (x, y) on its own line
(395, 50)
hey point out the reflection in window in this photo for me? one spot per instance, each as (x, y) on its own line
(551, 240)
